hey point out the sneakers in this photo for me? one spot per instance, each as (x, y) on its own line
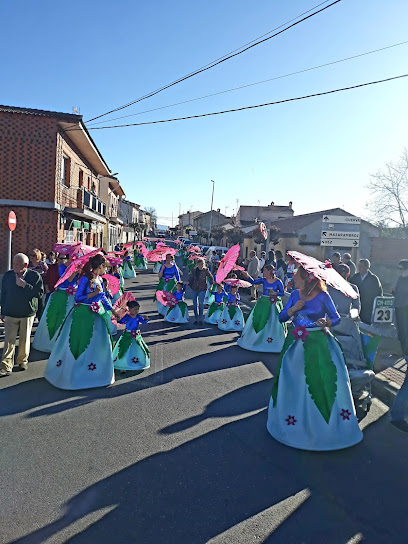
(4, 373)
(400, 424)
(23, 366)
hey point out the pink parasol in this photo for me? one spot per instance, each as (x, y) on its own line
(113, 283)
(121, 252)
(193, 248)
(143, 249)
(74, 249)
(227, 263)
(77, 265)
(114, 261)
(237, 283)
(159, 254)
(160, 244)
(166, 298)
(323, 271)
(130, 244)
(120, 307)
(195, 257)
(236, 267)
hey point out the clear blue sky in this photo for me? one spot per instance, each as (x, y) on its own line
(317, 153)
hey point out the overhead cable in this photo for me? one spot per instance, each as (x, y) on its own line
(252, 84)
(215, 63)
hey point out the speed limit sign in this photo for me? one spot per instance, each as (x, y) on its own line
(383, 310)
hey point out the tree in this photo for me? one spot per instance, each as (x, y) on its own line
(235, 235)
(152, 211)
(274, 235)
(389, 194)
(217, 233)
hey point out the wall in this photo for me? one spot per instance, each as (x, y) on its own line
(385, 256)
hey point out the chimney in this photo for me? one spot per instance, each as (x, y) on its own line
(290, 204)
(218, 210)
(272, 203)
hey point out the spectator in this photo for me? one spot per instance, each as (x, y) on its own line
(20, 291)
(343, 303)
(272, 258)
(38, 265)
(280, 265)
(198, 284)
(262, 262)
(336, 260)
(369, 286)
(51, 258)
(347, 260)
(253, 271)
(399, 408)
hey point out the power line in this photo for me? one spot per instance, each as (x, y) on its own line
(249, 107)
(253, 84)
(223, 59)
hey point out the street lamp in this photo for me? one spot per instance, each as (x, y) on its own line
(212, 201)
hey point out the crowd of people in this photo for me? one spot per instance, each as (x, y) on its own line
(311, 405)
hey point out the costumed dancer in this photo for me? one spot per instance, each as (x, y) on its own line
(217, 306)
(82, 354)
(157, 267)
(311, 406)
(116, 271)
(209, 294)
(140, 260)
(131, 351)
(263, 331)
(231, 318)
(169, 275)
(128, 270)
(112, 327)
(59, 304)
(179, 312)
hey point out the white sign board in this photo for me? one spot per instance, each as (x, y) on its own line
(383, 311)
(340, 234)
(343, 219)
(339, 242)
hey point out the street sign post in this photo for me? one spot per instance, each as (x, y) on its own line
(328, 234)
(339, 231)
(383, 310)
(339, 242)
(342, 219)
(12, 223)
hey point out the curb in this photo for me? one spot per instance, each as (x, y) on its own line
(384, 390)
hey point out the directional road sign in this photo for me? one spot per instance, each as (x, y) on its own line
(343, 219)
(327, 234)
(339, 242)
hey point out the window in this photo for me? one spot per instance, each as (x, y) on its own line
(65, 170)
(81, 178)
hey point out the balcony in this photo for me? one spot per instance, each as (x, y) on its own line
(88, 206)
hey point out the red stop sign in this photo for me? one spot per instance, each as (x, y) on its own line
(12, 221)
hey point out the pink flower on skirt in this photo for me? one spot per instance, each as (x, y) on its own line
(95, 307)
(300, 332)
(134, 333)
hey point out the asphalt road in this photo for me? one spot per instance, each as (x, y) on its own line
(180, 454)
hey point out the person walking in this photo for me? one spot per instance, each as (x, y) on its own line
(369, 286)
(20, 291)
(336, 260)
(198, 285)
(347, 260)
(38, 264)
(399, 408)
(253, 271)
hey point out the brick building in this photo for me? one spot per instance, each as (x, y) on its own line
(50, 176)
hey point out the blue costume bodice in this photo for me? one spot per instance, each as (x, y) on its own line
(84, 289)
(319, 307)
(218, 297)
(171, 272)
(233, 299)
(66, 283)
(179, 295)
(277, 285)
(133, 323)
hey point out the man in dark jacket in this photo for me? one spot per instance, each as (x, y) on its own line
(20, 290)
(369, 286)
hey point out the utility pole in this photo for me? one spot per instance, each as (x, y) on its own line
(212, 202)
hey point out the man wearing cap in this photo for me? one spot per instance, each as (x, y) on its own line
(21, 288)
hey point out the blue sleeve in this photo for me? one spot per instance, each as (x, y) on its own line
(83, 290)
(124, 319)
(330, 309)
(283, 316)
(213, 292)
(280, 291)
(237, 297)
(105, 301)
(143, 321)
(258, 281)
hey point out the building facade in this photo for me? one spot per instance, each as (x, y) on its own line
(50, 176)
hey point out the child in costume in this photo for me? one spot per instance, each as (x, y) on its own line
(217, 306)
(231, 318)
(169, 276)
(112, 327)
(59, 304)
(116, 271)
(263, 330)
(311, 405)
(82, 355)
(128, 270)
(140, 260)
(179, 312)
(131, 351)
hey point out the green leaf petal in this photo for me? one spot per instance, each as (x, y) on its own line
(183, 307)
(288, 342)
(320, 372)
(262, 310)
(56, 311)
(214, 306)
(81, 329)
(125, 341)
(142, 344)
(232, 310)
